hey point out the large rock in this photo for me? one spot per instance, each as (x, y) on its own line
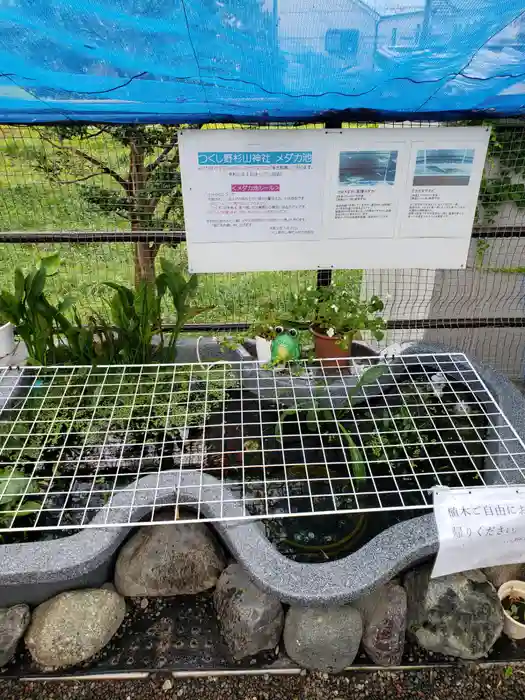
(458, 615)
(323, 639)
(250, 619)
(164, 560)
(384, 614)
(498, 575)
(73, 626)
(13, 624)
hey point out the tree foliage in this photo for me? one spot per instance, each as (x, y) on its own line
(131, 171)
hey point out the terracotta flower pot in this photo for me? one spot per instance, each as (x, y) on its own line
(328, 350)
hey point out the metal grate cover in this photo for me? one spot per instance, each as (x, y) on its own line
(110, 446)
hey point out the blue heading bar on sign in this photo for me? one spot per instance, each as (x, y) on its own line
(255, 158)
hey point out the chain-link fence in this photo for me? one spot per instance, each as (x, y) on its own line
(108, 199)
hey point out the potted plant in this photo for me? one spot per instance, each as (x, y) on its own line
(264, 330)
(336, 316)
(512, 596)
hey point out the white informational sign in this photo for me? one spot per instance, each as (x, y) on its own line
(319, 199)
(479, 527)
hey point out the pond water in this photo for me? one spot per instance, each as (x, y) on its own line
(418, 434)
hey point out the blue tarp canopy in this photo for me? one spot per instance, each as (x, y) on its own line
(197, 61)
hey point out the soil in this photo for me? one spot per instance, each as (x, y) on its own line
(515, 607)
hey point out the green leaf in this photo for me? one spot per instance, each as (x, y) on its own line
(192, 311)
(126, 295)
(13, 484)
(28, 507)
(168, 267)
(358, 464)
(29, 280)
(66, 303)
(371, 375)
(311, 420)
(51, 264)
(19, 285)
(9, 307)
(37, 284)
(283, 415)
(162, 284)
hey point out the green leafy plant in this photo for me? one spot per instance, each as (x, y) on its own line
(502, 184)
(514, 605)
(323, 419)
(57, 334)
(268, 319)
(482, 246)
(35, 318)
(59, 409)
(13, 485)
(167, 401)
(338, 311)
(83, 344)
(135, 331)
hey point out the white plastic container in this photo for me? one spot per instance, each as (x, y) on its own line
(513, 629)
(7, 339)
(264, 349)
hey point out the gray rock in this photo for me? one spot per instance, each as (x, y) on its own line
(323, 639)
(13, 624)
(250, 619)
(458, 615)
(498, 575)
(164, 560)
(73, 626)
(384, 614)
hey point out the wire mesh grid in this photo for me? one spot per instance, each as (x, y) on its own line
(114, 445)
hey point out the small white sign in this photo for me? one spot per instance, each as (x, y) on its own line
(479, 527)
(282, 199)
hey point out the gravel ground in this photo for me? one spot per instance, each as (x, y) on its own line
(499, 683)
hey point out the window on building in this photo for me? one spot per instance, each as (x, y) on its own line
(342, 42)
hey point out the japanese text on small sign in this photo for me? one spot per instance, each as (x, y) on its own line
(479, 527)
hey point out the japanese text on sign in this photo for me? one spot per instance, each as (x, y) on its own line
(255, 158)
(479, 528)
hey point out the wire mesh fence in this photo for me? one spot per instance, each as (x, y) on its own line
(92, 446)
(88, 191)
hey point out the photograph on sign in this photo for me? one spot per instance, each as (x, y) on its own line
(284, 199)
(358, 168)
(444, 189)
(441, 166)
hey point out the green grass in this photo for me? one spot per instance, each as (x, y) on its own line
(29, 201)
(86, 266)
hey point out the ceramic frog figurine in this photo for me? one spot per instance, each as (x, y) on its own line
(285, 346)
